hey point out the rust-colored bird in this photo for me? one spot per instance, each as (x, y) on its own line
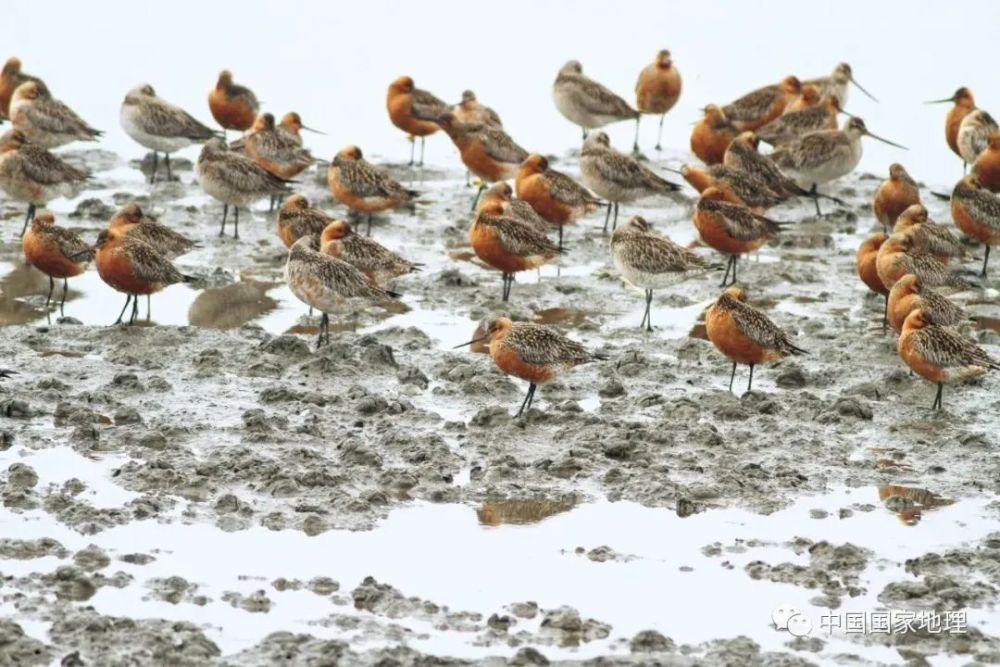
(900, 255)
(792, 125)
(10, 78)
(744, 334)
(55, 251)
(361, 186)
(976, 211)
(809, 97)
(508, 244)
(412, 110)
(928, 235)
(940, 354)
(297, 219)
(658, 89)
(865, 263)
(987, 165)
(964, 104)
(370, 257)
(894, 195)
(740, 187)
(909, 294)
(759, 107)
(533, 352)
(554, 195)
(730, 228)
(233, 106)
(711, 136)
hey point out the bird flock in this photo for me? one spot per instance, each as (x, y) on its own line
(913, 262)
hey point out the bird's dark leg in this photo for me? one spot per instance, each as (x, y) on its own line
(423, 140)
(478, 192)
(166, 162)
(135, 310)
(128, 300)
(63, 302)
(468, 178)
(965, 167)
(985, 261)
(750, 381)
(149, 307)
(48, 315)
(225, 212)
(152, 175)
(324, 331)
(561, 238)
(730, 264)
(413, 148)
(732, 376)
(649, 309)
(937, 397)
(607, 218)
(31, 214)
(635, 142)
(885, 314)
(815, 199)
(526, 403)
(506, 286)
(614, 222)
(659, 135)
(236, 222)
(368, 231)
(584, 131)
(736, 260)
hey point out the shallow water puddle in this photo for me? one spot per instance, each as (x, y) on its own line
(484, 558)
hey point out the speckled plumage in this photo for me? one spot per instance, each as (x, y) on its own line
(545, 346)
(756, 325)
(516, 236)
(954, 354)
(981, 204)
(819, 157)
(325, 282)
(928, 235)
(744, 156)
(45, 120)
(163, 239)
(648, 260)
(234, 178)
(368, 256)
(586, 102)
(10, 78)
(795, 124)
(425, 104)
(493, 140)
(147, 264)
(276, 150)
(835, 84)
(516, 208)
(616, 176)
(738, 221)
(31, 174)
(158, 125)
(471, 110)
(974, 133)
(297, 219)
(937, 308)
(753, 105)
(69, 243)
(899, 255)
(366, 180)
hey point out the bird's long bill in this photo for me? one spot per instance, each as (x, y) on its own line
(472, 342)
(313, 130)
(862, 89)
(672, 170)
(944, 101)
(886, 141)
(83, 253)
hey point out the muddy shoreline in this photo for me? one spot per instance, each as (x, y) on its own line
(238, 424)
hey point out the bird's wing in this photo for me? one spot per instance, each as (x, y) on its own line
(500, 146)
(812, 150)
(43, 167)
(984, 207)
(566, 190)
(518, 237)
(543, 345)
(759, 328)
(620, 168)
(427, 104)
(597, 99)
(71, 245)
(49, 115)
(751, 106)
(654, 254)
(740, 222)
(163, 119)
(949, 349)
(149, 265)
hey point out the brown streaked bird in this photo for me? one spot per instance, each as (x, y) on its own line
(503, 194)
(133, 267)
(973, 134)
(976, 211)
(732, 229)
(277, 151)
(836, 84)
(536, 353)
(370, 257)
(471, 112)
(658, 88)
(617, 177)
(987, 165)
(55, 251)
(412, 110)
(235, 180)
(964, 103)
(297, 219)
(361, 186)
(865, 263)
(291, 124)
(711, 136)
(233, 106)
(327, 283)
(894, 195)
(649, 261)
(940, 354)
(759, 107)
(909, 294)
(809, 97)
(10, 78)
(486, 150)
(900, 255)
(793, 124)
(554, 195)
(508, 244)
(159, 126)
(825, 155)
(743, 155)
(589, 104)
(744, 334)
(33, 175)
(45, 120)
(928, 235)
(740, 187)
